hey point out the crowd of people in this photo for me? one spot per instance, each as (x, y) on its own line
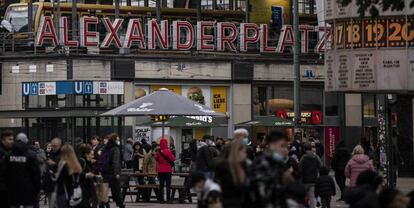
(273, 172)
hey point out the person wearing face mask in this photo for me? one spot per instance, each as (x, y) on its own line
(269, 171)
(109, 165)
(206, 153)
(309, 167)
(243, 135)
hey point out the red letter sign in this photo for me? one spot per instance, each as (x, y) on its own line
(322, 43)
(64, 33)
(134, 33)
(285, 39)
(112, 33)
(305, 29)
(264, 48)
(202, 38)
(222, 38)
(155, 33)
(46, 32)
(86, 35)
(178, 26)
(245, 37)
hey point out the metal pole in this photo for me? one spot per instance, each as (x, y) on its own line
(74, 21)
(198, 10)
(146, 3)
(247, 11)
(163, 129)
(116, 8)
(30, 18)
(296, 64)
(158, 11)
(214, 4)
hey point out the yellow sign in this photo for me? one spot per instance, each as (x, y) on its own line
(219, 99)
(174, 88)
(262, 10)
(200, 132)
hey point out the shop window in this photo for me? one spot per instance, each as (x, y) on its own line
(282, 99)
(331, 104)
(307, 7)
(368, 103)
(259, 101)
(311, 98)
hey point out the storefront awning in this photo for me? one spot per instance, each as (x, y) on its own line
(268, 121)
(183, 122)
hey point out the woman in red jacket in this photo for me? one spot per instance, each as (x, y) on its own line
(165, 162)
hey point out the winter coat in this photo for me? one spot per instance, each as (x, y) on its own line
(114, 158)
(137, 159)
(205, 158)
(23, 175)
(361, 197)
(357, 164)
(234, 195)
(340, 159)
(127, 152)
(325, 186)
(87, 184)
(3, 190)
(41, 158)
(150, 163)
(309, 167)
(164, 166)
(48, 184)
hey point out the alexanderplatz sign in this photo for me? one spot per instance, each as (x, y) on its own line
(180, 35)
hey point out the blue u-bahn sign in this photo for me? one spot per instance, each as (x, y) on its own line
(72, 87)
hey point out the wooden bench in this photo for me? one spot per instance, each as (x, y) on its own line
(144, 191)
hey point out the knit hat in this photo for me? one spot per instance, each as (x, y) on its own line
(22, 137)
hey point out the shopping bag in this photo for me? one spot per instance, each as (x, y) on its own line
(102, 190)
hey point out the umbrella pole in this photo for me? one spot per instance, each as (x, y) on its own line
(163, 130)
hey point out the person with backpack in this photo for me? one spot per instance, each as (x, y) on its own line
(22, 174)
(109, 166)
(87, 176)
(325, 187)
(165, 163)
(205, 156)
(67, 190)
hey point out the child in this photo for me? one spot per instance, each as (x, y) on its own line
(325, 187)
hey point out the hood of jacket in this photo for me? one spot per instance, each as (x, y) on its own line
(310, 154)
(163, 144)
(19, 148)
(360, 158)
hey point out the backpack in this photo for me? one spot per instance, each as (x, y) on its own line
(103, 164)
(76, 197)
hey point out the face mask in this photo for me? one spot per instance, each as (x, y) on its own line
(118, 142)
(279, 157)
(245, 141)
(209, 142)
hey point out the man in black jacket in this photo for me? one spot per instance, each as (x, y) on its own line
(23, 174)
(338, 163)
(6, 145)
(309, 167)
(205, 156)
(53, 159)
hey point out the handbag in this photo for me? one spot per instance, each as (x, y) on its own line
(76, 197)
(167, 159)
(102, 190)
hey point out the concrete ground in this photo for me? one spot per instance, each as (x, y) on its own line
(404, 184)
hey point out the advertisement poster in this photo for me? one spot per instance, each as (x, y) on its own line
(174, 88)
(47, 88)
(330, 142)
(277, 16)
(200, 94)
(219, 99)
(142, 132)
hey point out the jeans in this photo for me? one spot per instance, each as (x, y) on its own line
(311, 192)
(326, 201)
(340, 180)
(115, 187)
(165, 179)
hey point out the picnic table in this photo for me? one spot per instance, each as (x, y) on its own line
(145, 190)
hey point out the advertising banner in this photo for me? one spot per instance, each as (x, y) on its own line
(142, 132)
(47, 88)
(174, 88)
(200, 94)
(330, 142)
(219, 99)
(72, 87)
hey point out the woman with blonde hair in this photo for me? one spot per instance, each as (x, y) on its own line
(358, 163)
(231, 173)
(66, 176)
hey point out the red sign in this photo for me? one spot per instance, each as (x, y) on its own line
(330, 141)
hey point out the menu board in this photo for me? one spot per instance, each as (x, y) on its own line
(363, 71)
(329, 9)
